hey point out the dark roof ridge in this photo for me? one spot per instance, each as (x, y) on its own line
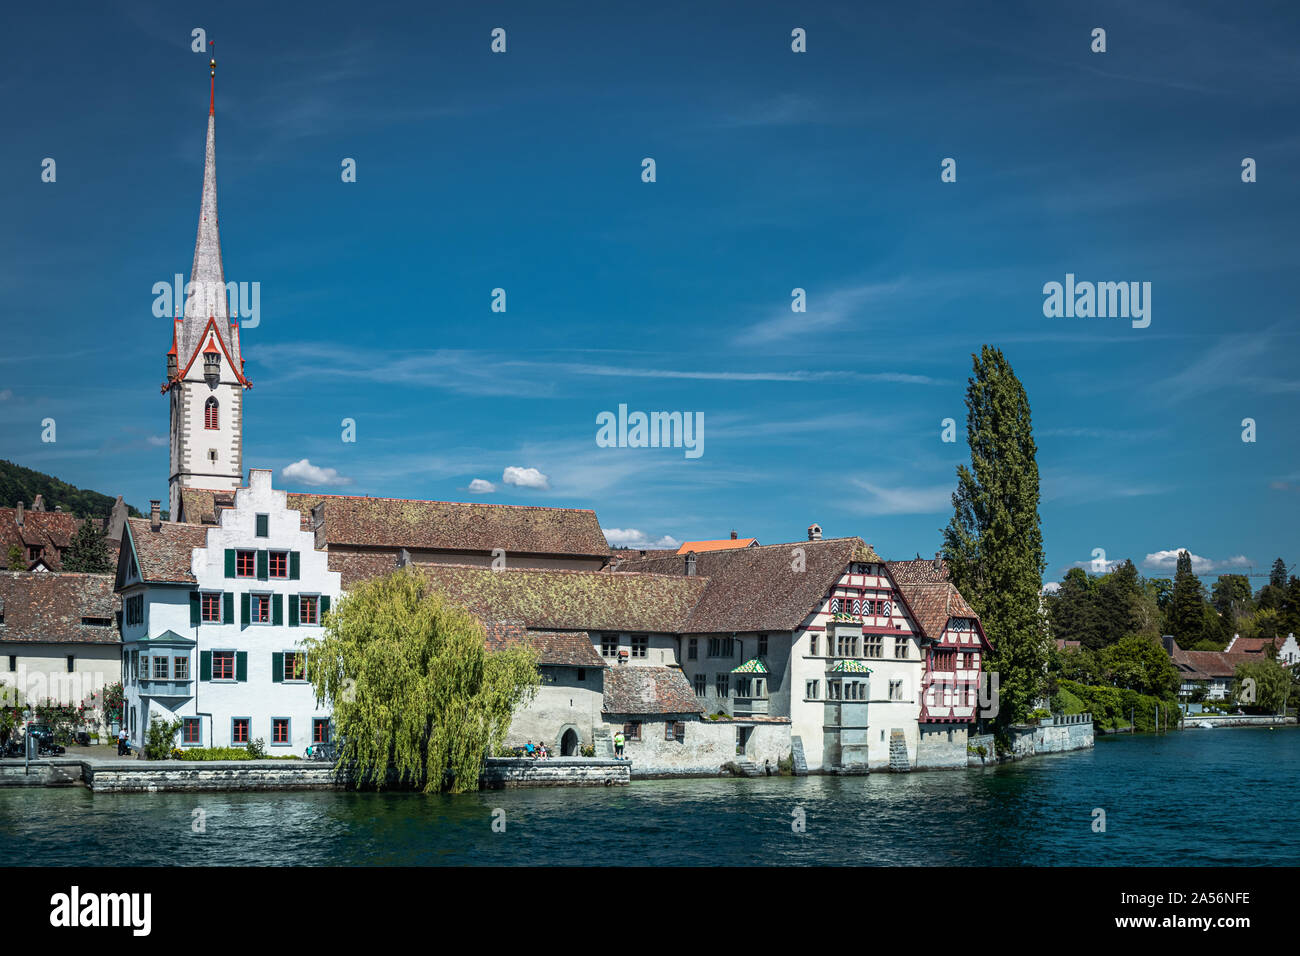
(437, 501)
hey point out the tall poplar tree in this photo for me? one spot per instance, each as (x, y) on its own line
(1187, 617)
(993, 544)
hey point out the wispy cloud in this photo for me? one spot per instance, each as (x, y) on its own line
(632, 538)
(902, 499)
(1167, 560)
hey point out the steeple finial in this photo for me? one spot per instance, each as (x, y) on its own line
(212, 65)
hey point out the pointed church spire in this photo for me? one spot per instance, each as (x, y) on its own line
(206, 296)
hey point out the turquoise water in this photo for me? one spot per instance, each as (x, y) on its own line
(1223, 797)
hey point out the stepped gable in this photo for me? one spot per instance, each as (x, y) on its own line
(649, 690)
(758, 588)
(452, 525)
(546, 599)
(50, 608)
(561, 648)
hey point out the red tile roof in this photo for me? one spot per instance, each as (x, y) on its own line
(49, 608)
(165, 556)
(50, 531)
(563, 648)
(723, 544)
(1202, 665)
(632, 689)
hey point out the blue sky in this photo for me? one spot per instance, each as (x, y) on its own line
(775, 170)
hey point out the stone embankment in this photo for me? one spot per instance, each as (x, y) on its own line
(1050, 735)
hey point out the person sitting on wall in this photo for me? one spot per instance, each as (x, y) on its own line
(529, 749)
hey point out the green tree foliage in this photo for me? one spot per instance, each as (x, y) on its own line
(160, 738)
(88, 550)
(1162, 590)
(1098, 611)
(1277, 575)
(1234, 602)
(1289, 612)
(993, 544)
(413, 687)
(1140, 663)
(1272, 685)
(1187, 608)
(23, 484)
(1113, 707)
(16, 560)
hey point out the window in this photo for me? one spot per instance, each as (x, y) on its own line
(260, 608)
(181, 668)
(895, 690)
(679, 730)
(33, 552)
(632, 730)
(812, 645)
(668, 730)
(295, 666)
(944, 660)
(279, 564)
(900, 648)
(833, 690)
(308, 609)
(722, 647)
(239, 730)
(72, 663)
(212, 455)
(640, 645)
(211, 602)
(701, 682)
(13, 662)
(190, 732)
(160, 668)
(693, 649)
(320, 730)
(874, 645)
(245, 564)
(280, 731)
(582, 674)
(134, 610)
(848, 645)
(744, 687)
(762, 645)
(223, 665)
(721, 684)
(263, 523)
(609, 645)
(97, 621)
(811, 689)
(211, 418)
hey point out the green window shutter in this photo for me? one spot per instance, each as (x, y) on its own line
(263, 563)
(277, 667)
(228, 608)
(293, 610)
(241, 665)
(230, 562)
(194, 609)
(277, 609)
(205, 665)
(293, 565)
(324, 607)
(244, 612)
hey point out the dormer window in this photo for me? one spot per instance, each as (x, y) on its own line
(211, 412)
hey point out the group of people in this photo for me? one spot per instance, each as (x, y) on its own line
(537, 751)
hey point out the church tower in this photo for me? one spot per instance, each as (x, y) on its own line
(205, 368)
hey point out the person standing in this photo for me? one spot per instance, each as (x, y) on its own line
(618, 745)
(121, 742)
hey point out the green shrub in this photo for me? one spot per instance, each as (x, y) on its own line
(160, 739)
(226, 753)
(256, 749)
(588, 751)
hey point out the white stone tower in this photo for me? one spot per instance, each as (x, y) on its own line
(205, 369)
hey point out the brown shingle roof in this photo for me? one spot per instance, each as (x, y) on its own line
(166, 556)
(567, 648)
(49, 607)
(758, 588)
(570, 600)
(1202, 665)
(48, 530)
(630, 689)
(918, 571)
(455, 526)
(933, 604)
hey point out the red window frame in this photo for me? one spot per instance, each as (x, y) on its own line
(308, 608)
(211, 607)
(320, 730)
(239, 731)
(211, 415)
(245, 564)
(191, 731)
(295, 666)
(278, 562)
(280, 730)
(260, 608)
(223, 665)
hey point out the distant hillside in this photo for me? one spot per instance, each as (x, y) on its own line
(23, 484)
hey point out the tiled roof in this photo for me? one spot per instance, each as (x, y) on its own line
(166, 555)
(455, 526)
(771, 587)
(49, 608)
(754, 665)
(630, 689)
(566, 648)
(570, 600)
(918, 571)
(932, 604)
(1201, 665)
(202, 506)
(725, 544)
(1249, 645)
(355, 566)
(48, 530)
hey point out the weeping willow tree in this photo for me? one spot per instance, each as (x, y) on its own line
(413, 686)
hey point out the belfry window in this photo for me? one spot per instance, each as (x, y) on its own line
(211, 415)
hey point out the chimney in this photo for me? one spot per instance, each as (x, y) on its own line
(733, 535)
(39, 503)
(814, 532)
(938, 560)
(690, 563)
(155, 515)
(18, 514)
(403, 558)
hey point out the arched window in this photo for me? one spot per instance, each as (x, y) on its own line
(210, 419)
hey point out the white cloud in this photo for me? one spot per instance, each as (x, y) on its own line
(632, 538)
(6, 394)
(1168, 561)
(158, 441)
(903, 501)
(525, 478)
(303, 470)
(480, 487)
(1051, 587)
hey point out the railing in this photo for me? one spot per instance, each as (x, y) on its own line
(166, 688)
(1063, 720)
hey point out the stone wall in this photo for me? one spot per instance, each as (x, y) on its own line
(942, 747)
(179, 775)
(503, 773)
(706, 747)
(1058, 734)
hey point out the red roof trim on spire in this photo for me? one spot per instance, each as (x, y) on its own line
(212, 326)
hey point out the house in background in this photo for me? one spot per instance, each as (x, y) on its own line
(43, 536)
(1288, 652)
(59, 637)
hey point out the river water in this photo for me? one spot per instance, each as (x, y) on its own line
(1199, 797)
